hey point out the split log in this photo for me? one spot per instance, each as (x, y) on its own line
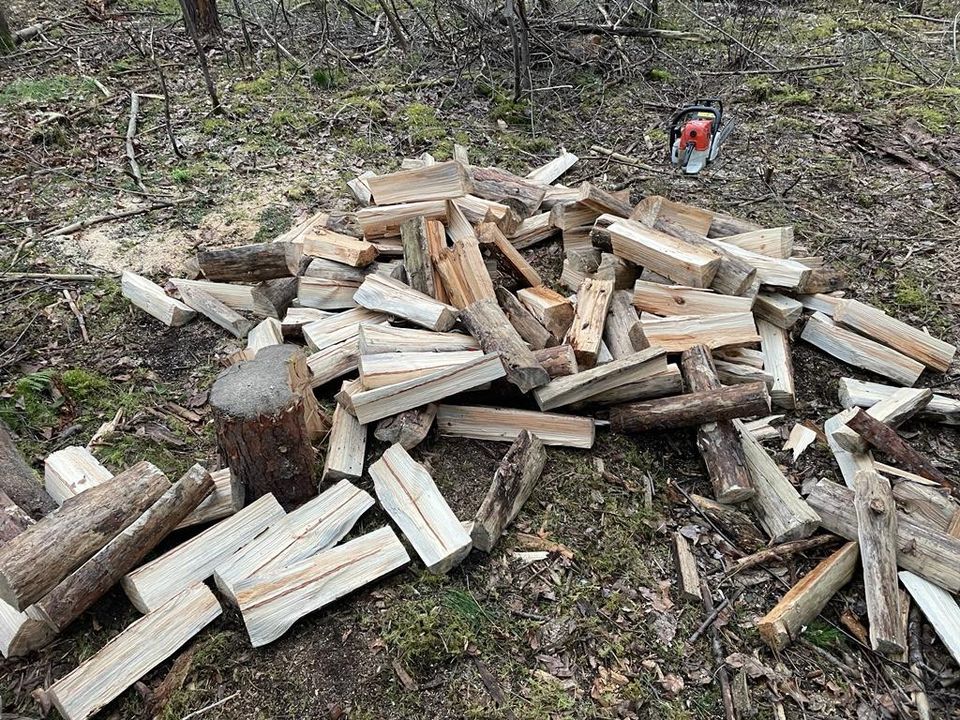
(940, 609)
(246, 298)
(382, 338)
(251, 263)
(391, 296)
(431, 182)
(477, 210)
(734, 275)
(271, 603)
(260, 414)
(346, 447)
(226, 499)
(464, 273)
(322, 242)
(361, 191)
(777, 309)
(667, 380)
(923, 503)
(324, 269)
(726, 225)
(573, 215)
(512, 484)
(408, 428)
(327, 294)
(622, 273)
(506, 425)
(893, 410)
(275, 296)
(338, 354)
(859, 351)
(153, 584)
(677, 300)
(578, 265)
(70, 471)
(886, 440)
(922, 549)
(385, 369)
(737, 374)
(860, 393)
(384, 221)
(787, 274)
(503, 187)
(823, 280)
(411, 498)
(216, 311)
(324, 332)
(487, 323)
(850, 463)
(676, 334)
(78, 529)
(458, 227)
(777, 505)
(818, 302)
(151, 298)
(801, 437)
(89, 582)
(718, 442)
(804, 601)
(623, 333)
(416, 256)
(550, 308)
(558, 360)
(778, 362)
(656, 207)
(376, 404)
(672, 257)
(318, 524)
(733, 522)
(586, 330)
(776, 242)
(877, 535)
(603, 378)
(691, 409)
(688, 578)
(532, 230)
(603, 202)
(13, 519)
(133, 653)
(523, 321)
(19, 481)
(268, 332)
(552, 170)
(509, 260)
(900, 336)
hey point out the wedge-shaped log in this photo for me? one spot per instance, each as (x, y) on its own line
(718, 442)
(133, 653)
(411, 498)
(376, 339)
(552, 170)
(251, 263)
(824, 333)
(326, 294)
(509, 261)
(677, 300)
(314, 526)
(506, 424)
(778, 362)
(893, 410)
(691, 409)
(523, 321)
(861, 393)
(788, 274)
(533, 230)
(877, 535)
(776, 242)
(380, 222)
(723, 226)
(376, 404)
(391, 368)
(921, 549)
(325, 243)
(558, 360)
(89, 582)
(656, 207)
(463, 272)
(777, 309)
(823, 280)
(487, 323)
(804, 601)
(326, 331)
(150, 297)
(431, 182)
(623, 333)
(886, 439)
(737, 374)
(503, 187)
(267, 332)
(939, 607)
(667, 380)
(339, 355)
(818, 302)
(672, 257)
(385, 294)
(777, 505)
(550, 308)
(512, 484)
(676, 334)
(216, 311)
(272, 602)
(224, 500)
(586, 330)
(78, 529)
(601, 201)
(687, 575)
(408, 428)
(195, 560)
(346, 447)
(604, 378)
(70, 471)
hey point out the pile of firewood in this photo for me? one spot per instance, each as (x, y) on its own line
(423, 306)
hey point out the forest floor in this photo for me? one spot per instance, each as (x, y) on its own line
(860, 157)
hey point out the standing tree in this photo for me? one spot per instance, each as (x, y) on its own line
(7, 42)
(204, 15)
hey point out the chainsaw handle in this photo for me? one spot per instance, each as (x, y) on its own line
(716, 112)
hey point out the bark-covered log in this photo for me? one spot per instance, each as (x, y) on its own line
(79, 590)
(13, 519)
(885, 439)
(40, 557)
(19, 482)
(262, 428)
(408, 428)
(558, 360)
(719, 442)
(252, 263)
(691, 409)
(523, 321)
(416, 256)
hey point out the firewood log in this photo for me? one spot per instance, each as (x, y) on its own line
(692, 409)
(251, 263)
(487, 323)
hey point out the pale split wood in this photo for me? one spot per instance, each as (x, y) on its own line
(533, 230)
(820, 302)
(849, 463)
(508, 258)
(778, 362)
(326, 293)
(458, 227)
(859, 351)
(677, 259)
(678, 300)
(922, 502)
(801, 437)
(590, 316)
(777, 309)
(382, 222)
(623, 333)
(70, 471)
(504, 187)
(549, 307)
(150, 297)
(861, 393)
(272, 602)
(387, 295)
(325, 243)
(736, 373)
(486, 321)
(506, 424)
(430, 182)
(687, 576)
(602, 202)
(523, 321)
(246, 298)
(657, 207)
(361, 191)
(464, 274)
(893, 410)
(225, 500)
(478, 210)
(376, 339)
(409, 495)
(153, 584)
(552, 170)
(939, 607)
(804, 601)
(558, 360)
(573, 215)
(346, 447)
(134, 652)
(787, 274)
(322, 332)
(268, 332)
(390, 368)
(776, 242)
(676, 334)
(216, 311)
(668, 380)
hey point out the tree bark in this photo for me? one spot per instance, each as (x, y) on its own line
(19, 482)
(40, 557)
(252, 263)
(886, 440)
(205, 17)
(691, 409)
(7, 42)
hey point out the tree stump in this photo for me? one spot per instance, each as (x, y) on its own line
(260, 411)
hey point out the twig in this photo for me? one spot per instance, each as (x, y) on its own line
(201, 57)
(772, 71)
(916, 664)
(13, 276)
(77, 314)
(166, 100)
(211, 706)
(782, 551)
(97, 219)
(628, 31)
(713, 615)
(725, 692)
(131, 133)
(623, 159)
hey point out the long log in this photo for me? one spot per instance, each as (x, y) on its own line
(488, 324)
(391, 296)
(893, 410)
(885, 439)
(78, 529)
(416, 256)
(88, 583)
(860, 393)
(734, 275)
(691, 409)
(718, 442)
(18, 481)
(523, 321)
(216, 311)
(251, 263)
(150, 297)
(503, 187)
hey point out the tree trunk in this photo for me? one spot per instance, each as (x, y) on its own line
(7, 42)
(204, 15)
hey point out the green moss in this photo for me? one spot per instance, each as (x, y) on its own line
(257, 87)
(822, 635)
(214, 126)
(364, 146)
(659, 75)
(546, 699)
(32, 403)
(422, 124)
(45, 90)
(910, 295)
(657, 135)
(328, 78)
(366, 104)
(933, 119)
(84, 384)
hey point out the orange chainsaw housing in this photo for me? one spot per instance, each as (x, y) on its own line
(697, 132)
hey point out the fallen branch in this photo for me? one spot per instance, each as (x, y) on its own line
(782, 551)
(98, 219)
(774, 71)
(131, 134)
(624, 159)
(14, 276)
(629, 31)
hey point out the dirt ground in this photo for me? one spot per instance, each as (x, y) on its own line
(857, 150)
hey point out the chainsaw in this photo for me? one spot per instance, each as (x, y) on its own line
(696, 133)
